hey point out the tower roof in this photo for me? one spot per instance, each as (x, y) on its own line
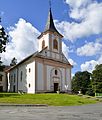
(50, 25)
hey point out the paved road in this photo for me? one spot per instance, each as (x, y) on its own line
(86, 112)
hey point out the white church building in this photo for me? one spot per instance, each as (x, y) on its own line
(47, 70)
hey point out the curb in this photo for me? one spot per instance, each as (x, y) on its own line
(24, 105)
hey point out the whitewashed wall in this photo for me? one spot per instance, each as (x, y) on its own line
(31, 77)
(39, 81)
(4, 81)
(12, 81)
(46, 39)
(63, 78)
(22, 83)
(27, 82)
(68, 77)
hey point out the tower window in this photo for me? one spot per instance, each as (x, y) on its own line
(43, 44)
(56, 72)
(55, 44)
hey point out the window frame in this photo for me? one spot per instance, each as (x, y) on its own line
(43, 44)
(56, 72)
(55, 44)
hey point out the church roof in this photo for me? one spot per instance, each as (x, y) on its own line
(39, 55)
(50, 25)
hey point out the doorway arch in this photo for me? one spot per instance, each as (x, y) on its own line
(55, 80)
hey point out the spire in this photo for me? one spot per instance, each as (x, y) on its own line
(50, 24)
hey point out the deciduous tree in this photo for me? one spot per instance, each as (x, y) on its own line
(97, 78)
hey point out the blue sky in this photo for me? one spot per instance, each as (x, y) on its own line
(80, 21)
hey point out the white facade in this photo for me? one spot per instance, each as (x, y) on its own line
(38, 74)
(3, 82)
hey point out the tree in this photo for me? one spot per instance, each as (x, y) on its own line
(13, 62)
(3, 41)
(81, 82)
(1, 65)
(97, 79)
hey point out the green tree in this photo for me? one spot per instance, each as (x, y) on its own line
(3, 41)
(13, 62)
(97, 79)
(81, 82)
(1, 65)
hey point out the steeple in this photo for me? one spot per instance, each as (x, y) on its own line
(50, 38)
(50, 24)
(50, 27)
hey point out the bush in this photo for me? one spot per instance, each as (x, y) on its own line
(90, 92)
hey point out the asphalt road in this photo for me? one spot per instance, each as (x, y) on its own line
(86, 112)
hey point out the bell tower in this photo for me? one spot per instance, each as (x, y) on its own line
(50, 38)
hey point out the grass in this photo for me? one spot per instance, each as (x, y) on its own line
(49, 99)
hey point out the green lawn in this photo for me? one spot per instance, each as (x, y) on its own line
(49, 99)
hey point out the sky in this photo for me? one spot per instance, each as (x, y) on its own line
(79, 21)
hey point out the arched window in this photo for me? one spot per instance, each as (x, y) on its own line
(56, 72)
(29, 70)
(29, 85)
(43, 44)
(55, 44)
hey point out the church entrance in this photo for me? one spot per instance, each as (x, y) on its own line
(55, 87)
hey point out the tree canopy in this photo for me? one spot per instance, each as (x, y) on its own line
(13, 62)
(3, 39)
(81, 82)
(97, 78)
(88, 83)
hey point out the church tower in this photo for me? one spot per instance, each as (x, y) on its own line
(50, 38)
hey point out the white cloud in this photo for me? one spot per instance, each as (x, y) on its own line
(90, 49)
(66, 51)
(78, 8)
(89, 13)
(23, 41)
(90, 65)
(72, 62)
(78, 3)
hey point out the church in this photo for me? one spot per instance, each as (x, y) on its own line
(46, 70)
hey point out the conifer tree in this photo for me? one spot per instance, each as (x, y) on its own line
(3, 39)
